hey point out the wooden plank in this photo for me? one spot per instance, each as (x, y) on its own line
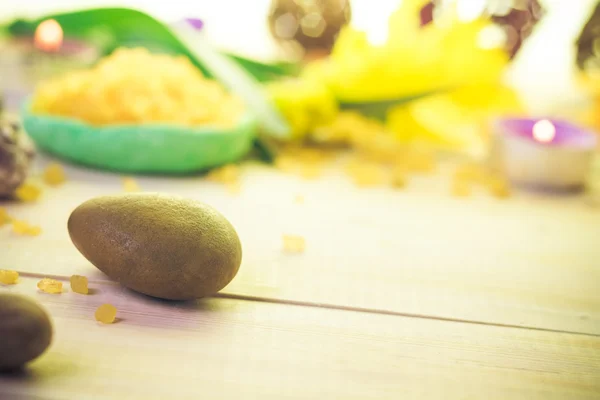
(527, 261)
(227, 348)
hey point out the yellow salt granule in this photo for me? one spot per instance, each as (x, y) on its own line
(51, 286)
(499, 187)
(227, 174)
(470, 172)
(309, 171)
(233, 188)
(460, 188)
(286, 163)
(398, 178)
(299, 199)
(54, 174)
(79, 284)
(23, 228)
(8, 277)
(293, 243)
(308, 163)
(28, 192)
(4, 217)
(34, 230)
(367, 174)
(106, 313)
(130, 185)
(420, 162)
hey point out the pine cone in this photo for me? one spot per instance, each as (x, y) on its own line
(16, 154)
(313, 24)
(588, 43)
(517, 17)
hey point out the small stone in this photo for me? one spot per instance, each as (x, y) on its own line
(79, 284)
(8, 277)
(106, 314)
(25, 332)
(54, 174)
(51, 286)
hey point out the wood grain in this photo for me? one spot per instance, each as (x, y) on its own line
(528, 261)
(225, 349)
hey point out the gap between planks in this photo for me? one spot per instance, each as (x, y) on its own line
(298, 303)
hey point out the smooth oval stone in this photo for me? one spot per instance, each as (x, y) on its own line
(159, 245)
(25, 331)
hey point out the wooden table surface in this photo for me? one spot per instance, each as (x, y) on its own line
(399, 294)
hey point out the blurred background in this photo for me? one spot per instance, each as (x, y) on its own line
(376, 76)
(240, 26)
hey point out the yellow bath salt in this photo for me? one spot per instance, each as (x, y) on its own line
(134, 86)
(20, 227)
(367, 174)
(4, 217)
(79, 284)
(420, 162)
(309, 171)
(106, 314)
(51, 286)
(130, 185)
(28, 192)
(227, 174)
(233, 188)
(398, 177)
(470, 172)
(54, 174)
(461, 188)
(299, 199)
(499, 187)
(8, 277)
(286, 163)
(24, 229)
(34, 230)
(293, 243)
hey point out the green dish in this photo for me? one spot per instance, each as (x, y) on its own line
(144, 148)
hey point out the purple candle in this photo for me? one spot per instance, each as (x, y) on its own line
(542, 153)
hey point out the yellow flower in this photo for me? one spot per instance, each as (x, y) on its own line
(413, 60)
(454, 120)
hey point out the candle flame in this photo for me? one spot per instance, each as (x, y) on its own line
(49, 35)
(544, 131)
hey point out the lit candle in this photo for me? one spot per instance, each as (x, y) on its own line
(544, 154)
(50, 40)
(49, 36)
(29, 59)
(544, 131)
